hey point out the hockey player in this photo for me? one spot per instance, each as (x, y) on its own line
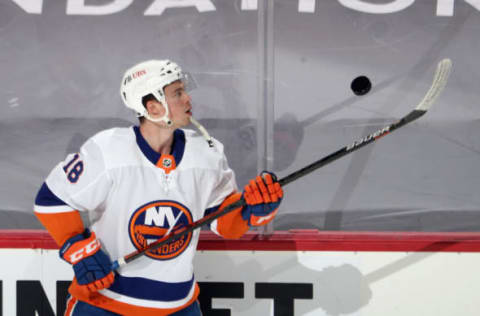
(136, 185)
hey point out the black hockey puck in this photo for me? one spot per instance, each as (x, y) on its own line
(361, 85)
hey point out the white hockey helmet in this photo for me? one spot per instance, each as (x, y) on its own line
(149, 77)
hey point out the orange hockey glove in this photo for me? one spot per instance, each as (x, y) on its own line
(263, 196)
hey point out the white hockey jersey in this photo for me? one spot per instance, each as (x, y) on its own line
(133, 196)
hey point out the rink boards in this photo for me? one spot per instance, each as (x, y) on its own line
(302, 272)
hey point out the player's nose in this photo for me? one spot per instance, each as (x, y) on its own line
(188, 100)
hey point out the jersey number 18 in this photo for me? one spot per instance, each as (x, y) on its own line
(73, 169)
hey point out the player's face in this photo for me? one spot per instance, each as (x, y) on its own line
(179, 103)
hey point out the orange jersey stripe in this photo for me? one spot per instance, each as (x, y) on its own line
(70, 305)
(63, 225)
(101, 301)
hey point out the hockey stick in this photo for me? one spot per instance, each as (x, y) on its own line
(439, 81)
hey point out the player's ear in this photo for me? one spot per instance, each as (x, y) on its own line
(154, 107)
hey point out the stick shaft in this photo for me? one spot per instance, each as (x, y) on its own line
(351, 148)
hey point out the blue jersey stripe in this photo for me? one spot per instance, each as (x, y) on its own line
(147, 289)
(45, 197)
(178, 146)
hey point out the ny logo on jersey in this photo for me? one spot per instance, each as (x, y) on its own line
(157, 216)
(156, 219)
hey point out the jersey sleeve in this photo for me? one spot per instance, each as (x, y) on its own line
(79, 183)
(231, 225)
(225, 184)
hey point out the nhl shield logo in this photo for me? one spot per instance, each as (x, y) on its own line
(167, 162)
(153, 220)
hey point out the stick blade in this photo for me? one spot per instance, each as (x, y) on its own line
(439, 81)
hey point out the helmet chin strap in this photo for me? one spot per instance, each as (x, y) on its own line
(165, 119)
(168, 122)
